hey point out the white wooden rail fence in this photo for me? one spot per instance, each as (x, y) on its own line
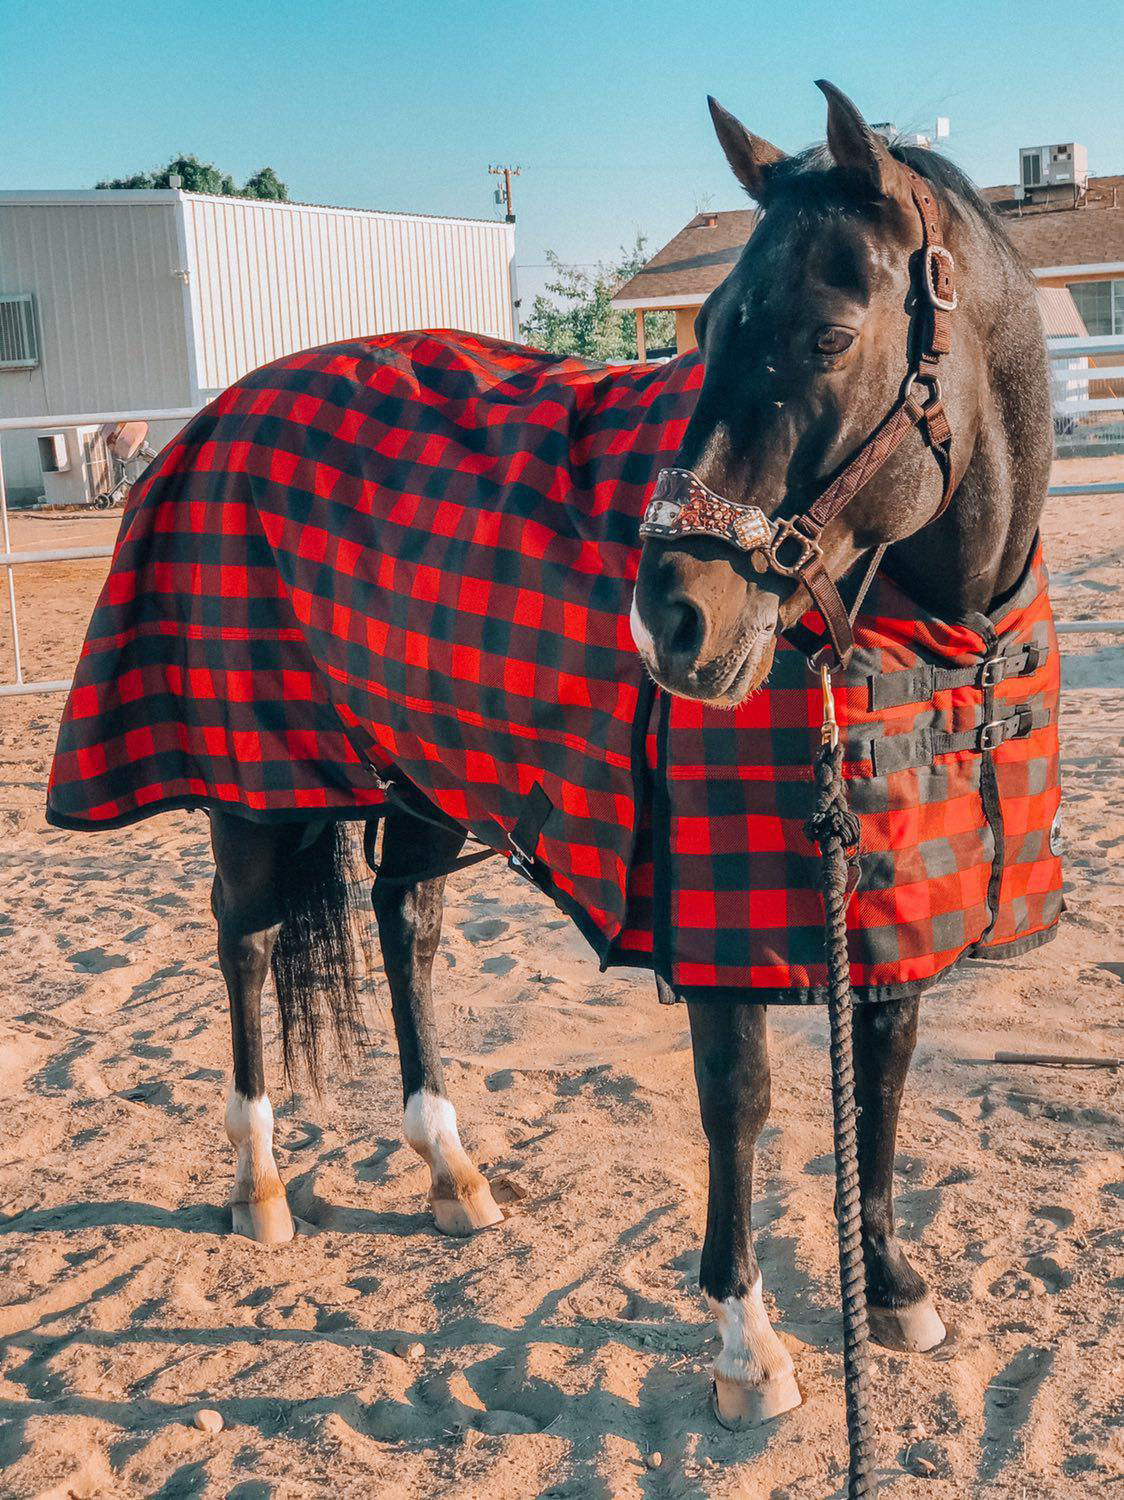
(1071, 376)
(1087, 389)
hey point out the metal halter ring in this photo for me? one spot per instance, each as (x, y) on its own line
(921, 380)
(786, 530)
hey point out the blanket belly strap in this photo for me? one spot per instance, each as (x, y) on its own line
(899, 752)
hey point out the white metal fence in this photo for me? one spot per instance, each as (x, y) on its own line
(1087, 387)
(10, 560)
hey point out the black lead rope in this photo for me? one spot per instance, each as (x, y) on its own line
(836, 830)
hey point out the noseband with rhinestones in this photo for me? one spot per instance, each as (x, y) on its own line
(682, 505)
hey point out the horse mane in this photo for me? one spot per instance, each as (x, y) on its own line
(800, 177)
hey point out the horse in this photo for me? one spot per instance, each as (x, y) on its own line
(804, 349)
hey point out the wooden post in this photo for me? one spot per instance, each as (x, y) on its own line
(685, 329)
(641, 341)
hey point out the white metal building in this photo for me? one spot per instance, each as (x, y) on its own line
(115, 301)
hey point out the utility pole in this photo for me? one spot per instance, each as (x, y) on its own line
(507, 173)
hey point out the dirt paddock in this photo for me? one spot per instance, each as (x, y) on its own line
(564, 1350)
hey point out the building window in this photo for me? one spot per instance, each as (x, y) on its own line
(1101, 305)
(19, 348)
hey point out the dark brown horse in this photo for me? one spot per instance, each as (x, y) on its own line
(805, 345)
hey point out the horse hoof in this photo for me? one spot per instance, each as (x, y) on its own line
(268, 1220)
(464, 1215)
(740, 1406)
(914, 1330)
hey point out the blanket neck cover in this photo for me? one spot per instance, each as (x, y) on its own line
(412, 556)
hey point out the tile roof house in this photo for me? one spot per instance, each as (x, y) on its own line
(682, 275)
(1075, 249)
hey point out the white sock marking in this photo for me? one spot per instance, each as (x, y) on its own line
(430, 1126)
(249, 1127)
(751, 1352)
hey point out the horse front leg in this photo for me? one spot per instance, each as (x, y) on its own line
(753, 1374)
(409, 903)
(899, 1307)
(247, 905)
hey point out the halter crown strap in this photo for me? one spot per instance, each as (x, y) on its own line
(682, 505)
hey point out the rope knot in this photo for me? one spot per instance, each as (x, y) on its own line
(832, 821)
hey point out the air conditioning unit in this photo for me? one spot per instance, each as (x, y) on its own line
(76, 466)
(1065, 165)
(54, 457)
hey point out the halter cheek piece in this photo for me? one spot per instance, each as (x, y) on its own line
(681, 505)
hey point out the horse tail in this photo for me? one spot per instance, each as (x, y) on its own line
(314, 958)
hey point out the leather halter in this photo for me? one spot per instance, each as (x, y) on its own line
(682, 505)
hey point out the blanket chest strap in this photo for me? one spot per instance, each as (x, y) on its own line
(901, 752)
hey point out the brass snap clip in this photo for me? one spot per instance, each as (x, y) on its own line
(829, 726)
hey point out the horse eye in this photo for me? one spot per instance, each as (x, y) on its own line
(833, 340)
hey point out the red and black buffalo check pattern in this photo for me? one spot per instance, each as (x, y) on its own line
(413, 555)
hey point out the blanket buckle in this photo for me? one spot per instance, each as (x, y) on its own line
(518, 859)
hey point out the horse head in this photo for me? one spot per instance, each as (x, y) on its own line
(816, 336)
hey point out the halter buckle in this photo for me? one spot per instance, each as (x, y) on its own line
(938, 257)
(786, 530)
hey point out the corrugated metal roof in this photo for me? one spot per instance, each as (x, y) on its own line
(111, 196)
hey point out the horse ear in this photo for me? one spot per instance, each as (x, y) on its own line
(856, 148)
(749, 156)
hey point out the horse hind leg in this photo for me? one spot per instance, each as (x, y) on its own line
(754, 1379)
(900, 1309)
(409, 910)
(247, 906)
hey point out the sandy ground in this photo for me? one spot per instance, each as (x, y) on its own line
(565, 1348)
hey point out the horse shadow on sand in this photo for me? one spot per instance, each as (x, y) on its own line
(497, 1394)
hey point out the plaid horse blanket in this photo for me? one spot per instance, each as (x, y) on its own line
(411, 557)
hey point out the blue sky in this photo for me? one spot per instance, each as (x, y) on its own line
(403, 106)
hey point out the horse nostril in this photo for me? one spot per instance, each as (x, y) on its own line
(686, 629)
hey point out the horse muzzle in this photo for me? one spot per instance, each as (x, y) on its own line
(702, 630)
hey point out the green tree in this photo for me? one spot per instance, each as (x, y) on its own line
(265, 183)
(204, 177)
(573, 316)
